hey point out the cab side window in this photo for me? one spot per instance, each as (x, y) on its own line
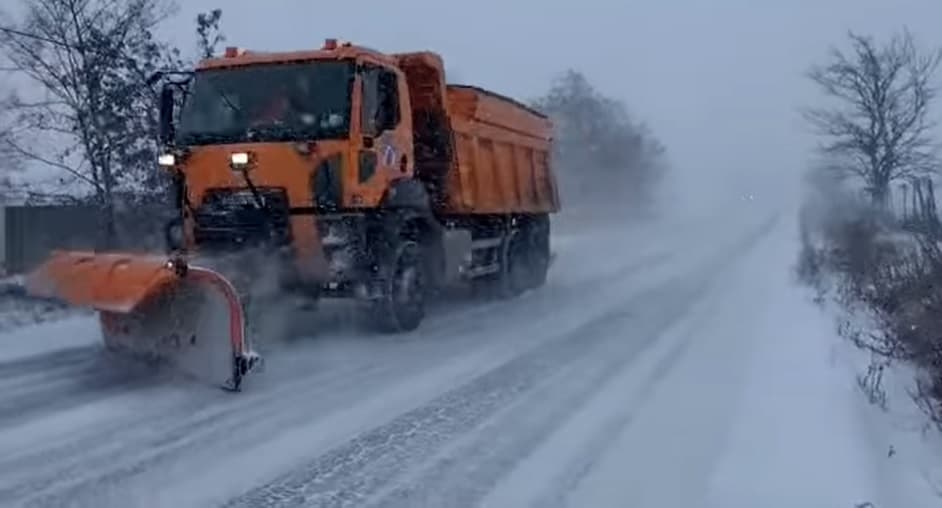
(388, 100)
(380, 105)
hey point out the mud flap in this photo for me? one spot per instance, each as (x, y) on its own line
(157, 309)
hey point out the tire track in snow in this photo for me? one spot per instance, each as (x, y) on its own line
(579, 467)
(352, 472)
(131, 448)
(467, 473)
(87, 379)
(76, 368)
(87, 370)
(46, 361)
(127, 448)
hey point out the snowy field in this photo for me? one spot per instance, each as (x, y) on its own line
(663, 365)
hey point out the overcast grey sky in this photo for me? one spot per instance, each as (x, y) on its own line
(718, 80)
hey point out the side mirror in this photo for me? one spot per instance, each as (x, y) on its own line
(166, 115)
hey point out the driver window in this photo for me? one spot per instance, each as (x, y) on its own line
(370, 101)
(380, 106)
(388, 100)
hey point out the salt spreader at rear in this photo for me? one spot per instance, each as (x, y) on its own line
(348, 173)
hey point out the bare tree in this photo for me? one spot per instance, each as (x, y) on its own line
(91, 61)
(10, 160)
(208, 34)
(605, 153)
(879, 127)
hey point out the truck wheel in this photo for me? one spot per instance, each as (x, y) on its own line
(524, 262)
(401, 304)
(516, 272)
(538, 252)
(526, 259)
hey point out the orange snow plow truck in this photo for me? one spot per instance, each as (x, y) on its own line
(339, 172)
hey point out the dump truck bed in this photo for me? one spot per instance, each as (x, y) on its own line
(502, 155)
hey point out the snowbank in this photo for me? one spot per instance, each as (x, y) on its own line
(809, 436)
(761, 408)
(71, 332)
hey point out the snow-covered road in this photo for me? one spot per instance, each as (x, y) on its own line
(658, 367)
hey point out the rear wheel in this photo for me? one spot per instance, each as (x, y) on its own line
(526, 258)
(400, 306)
(537, 251)
(515, 272)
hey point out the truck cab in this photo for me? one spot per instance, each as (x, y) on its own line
(263, 145)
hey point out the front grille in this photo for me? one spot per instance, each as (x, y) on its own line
(230, 218)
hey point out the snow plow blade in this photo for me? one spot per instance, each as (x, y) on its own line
(156, 309)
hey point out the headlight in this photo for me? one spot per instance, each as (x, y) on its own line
(167, 160)
(239, 159)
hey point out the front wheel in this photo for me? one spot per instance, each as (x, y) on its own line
(400, 307)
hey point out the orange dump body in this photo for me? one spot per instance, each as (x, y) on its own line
(503, 153)
(484, 153)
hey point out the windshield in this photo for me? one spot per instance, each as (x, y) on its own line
(272, 102)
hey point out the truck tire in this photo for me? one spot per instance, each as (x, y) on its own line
(515, 274)
(524, 262)
(526, 258)
(400, 306)
(538, 251)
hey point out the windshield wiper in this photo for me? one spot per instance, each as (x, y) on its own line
(274, 132)
(205, 138)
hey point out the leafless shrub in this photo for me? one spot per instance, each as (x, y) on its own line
(878, 127)
(900, 291)
(605, 155)
(878, 130)
(870, 267)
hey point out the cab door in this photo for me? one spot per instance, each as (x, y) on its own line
(384, 148)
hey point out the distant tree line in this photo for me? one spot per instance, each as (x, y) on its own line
(601, 152)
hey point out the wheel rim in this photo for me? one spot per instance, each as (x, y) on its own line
(407, 286)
